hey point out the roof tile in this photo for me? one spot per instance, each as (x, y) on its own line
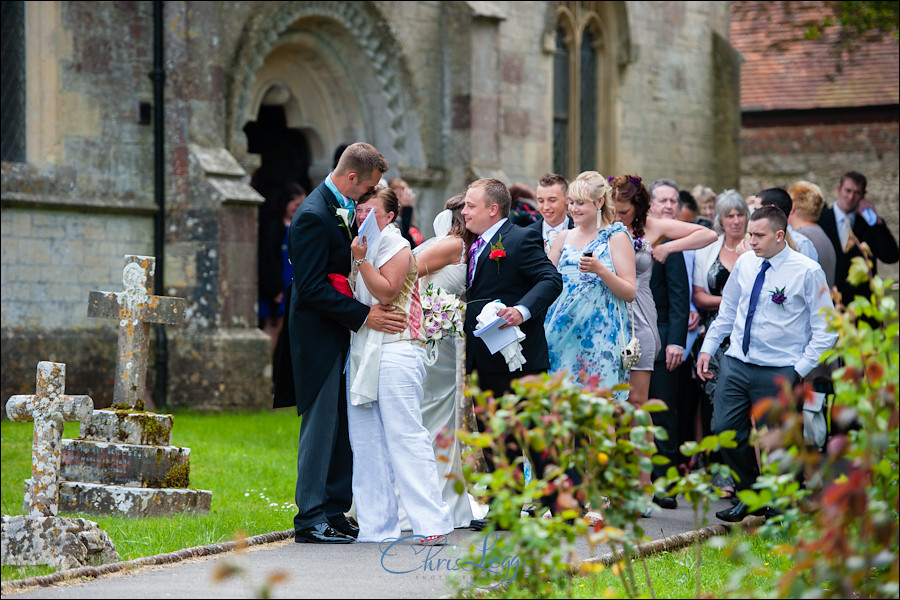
(785, 71)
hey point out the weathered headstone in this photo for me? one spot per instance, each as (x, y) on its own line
(135, 307)
(123, 463)
(48, 408)
(41, 537)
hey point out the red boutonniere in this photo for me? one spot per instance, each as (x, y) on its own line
(497, 252)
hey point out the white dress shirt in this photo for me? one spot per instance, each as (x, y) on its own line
(486, 236)
(549, 237)
(790, 334)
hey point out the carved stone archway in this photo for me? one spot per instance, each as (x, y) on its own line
(340, 75)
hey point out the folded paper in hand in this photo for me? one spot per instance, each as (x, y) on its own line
(496, 338)
(507, 341)
(369, 230)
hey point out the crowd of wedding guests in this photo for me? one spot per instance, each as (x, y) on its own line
(722, 293)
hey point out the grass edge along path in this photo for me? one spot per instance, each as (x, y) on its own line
(668, 544)
(144, 561)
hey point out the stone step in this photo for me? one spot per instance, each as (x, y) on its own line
(128, 427)
(128, 465)
(92, 498)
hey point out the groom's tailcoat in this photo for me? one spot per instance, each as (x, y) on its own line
(524, 276)
(318, 319)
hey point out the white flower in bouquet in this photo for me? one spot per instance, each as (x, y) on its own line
(442, 317)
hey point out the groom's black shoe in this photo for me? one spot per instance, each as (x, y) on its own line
(321, 533)
(342, 525)
(665, 501)
(737, 513)
(477, 524)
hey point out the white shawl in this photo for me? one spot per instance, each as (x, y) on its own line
(364, 359)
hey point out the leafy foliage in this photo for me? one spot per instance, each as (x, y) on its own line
(840, 530)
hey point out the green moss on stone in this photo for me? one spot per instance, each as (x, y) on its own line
(154, 432)
(179, 476)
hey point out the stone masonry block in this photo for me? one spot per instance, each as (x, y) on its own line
(127, 465)
(80, 497)
(128, 427)
(61, 542)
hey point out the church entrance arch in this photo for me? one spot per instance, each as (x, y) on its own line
(335, 75)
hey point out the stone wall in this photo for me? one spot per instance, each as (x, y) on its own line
(667, 107)
(778, 156)
(460, 87)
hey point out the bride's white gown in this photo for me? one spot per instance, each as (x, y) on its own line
(443, 396)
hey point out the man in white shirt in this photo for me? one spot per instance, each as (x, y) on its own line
(772, 309)
(780, 198)
(551, 201)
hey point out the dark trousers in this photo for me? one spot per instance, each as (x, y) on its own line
(501, 384)
(664, 386)
(739, 386)
(324, 458)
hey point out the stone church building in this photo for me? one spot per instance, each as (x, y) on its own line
(135, 128)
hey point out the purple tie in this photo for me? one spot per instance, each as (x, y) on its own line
(473, 252)
(754, 296)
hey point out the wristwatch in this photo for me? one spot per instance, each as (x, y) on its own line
(358, 261)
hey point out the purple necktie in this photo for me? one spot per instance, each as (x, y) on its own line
(473, 252)
(751, 310)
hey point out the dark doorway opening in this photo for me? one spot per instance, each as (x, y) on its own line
(284, 152)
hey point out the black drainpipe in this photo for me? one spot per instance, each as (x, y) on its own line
(158, 75)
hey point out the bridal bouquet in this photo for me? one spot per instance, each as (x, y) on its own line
(442, 314)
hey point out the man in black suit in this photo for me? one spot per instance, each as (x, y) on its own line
(850, 221)
(552, 203)
(319, 320)
(671, 294)
(520, 275)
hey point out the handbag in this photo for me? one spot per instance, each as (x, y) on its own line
(631, 352)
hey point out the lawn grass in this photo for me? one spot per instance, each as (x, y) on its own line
(247, 460)
(673, 575)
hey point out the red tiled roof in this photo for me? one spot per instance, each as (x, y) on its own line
(782, 70)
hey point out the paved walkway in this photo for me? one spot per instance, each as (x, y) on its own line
(322, 571)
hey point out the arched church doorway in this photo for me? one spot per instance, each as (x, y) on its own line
(284, 153)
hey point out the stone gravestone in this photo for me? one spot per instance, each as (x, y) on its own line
(123, 463)
(41, 537)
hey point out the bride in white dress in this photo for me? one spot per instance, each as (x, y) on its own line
(442, 263)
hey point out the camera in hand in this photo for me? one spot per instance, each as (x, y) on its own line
(588, 254)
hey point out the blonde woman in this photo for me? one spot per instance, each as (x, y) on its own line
(586, 325)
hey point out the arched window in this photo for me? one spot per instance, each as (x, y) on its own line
(12, 67)
(588, 103)
(560, 104)
(580, 111)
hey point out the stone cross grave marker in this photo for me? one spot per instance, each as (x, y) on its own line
(136, 308)
(49, 407)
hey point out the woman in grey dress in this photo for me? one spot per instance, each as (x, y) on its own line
(442, 264)
(654, 239)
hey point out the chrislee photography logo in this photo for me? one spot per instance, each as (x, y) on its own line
(407, 555)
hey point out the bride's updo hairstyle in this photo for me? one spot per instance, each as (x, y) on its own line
(386, 196)
(458, 225)
(591, 186)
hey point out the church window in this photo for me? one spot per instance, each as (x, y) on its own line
(577, 75)
(12, 90)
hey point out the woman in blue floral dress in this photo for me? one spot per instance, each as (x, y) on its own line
(585, 333)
